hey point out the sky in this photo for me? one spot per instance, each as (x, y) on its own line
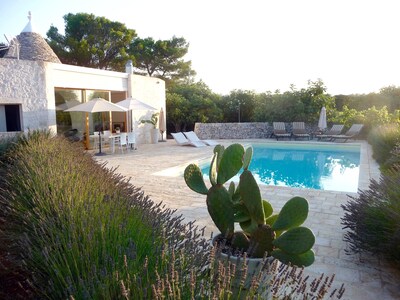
(353, 46)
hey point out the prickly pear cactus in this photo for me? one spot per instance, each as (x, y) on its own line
(278, 235)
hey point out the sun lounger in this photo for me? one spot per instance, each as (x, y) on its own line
(299, 130)
(336, 129)
(181, 140)
(192, 136)
(352, 133)
(280, 131)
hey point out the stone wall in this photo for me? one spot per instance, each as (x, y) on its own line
(6, 135)
(233, 130)
(24, 82)
(240, 130)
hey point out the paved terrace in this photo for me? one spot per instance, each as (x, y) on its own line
(152, 167)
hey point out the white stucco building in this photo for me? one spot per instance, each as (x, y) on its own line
(36, 88)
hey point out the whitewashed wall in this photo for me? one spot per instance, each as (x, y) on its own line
(67, 76)
(24, 82)
(151, 91)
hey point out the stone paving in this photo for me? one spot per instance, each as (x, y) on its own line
(154, 168)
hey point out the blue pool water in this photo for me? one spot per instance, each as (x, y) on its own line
(312, 166)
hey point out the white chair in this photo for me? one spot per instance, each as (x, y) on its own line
(116, 143)
(132, 140)
(123, 141)
(106, 138)
(95, 139)
(192, 136)
(181, 140)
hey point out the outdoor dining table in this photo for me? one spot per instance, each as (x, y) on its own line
(111, 140)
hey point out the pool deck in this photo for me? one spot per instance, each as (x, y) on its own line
(153, 167)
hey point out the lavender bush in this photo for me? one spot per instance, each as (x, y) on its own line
(70, 225)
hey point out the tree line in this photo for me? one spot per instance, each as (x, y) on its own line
(195, 102)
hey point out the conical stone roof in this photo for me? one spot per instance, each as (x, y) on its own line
(31, 46)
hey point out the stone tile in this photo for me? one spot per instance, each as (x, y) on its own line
(322, 241)
(326, 251)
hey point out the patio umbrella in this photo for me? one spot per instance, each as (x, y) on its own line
(96, 105)
(322, 119)
(134, 104)
(161, 124)
(67, 104)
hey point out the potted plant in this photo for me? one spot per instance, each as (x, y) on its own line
(154, 131)
(279, 236)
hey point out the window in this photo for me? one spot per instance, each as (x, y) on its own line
(10, 117)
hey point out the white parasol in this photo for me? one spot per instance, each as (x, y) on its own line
(322, 119)
(93, 106)
(97, 105)
(133, 104)
(68, 104)
(161, 123)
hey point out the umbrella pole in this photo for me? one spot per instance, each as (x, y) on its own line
(100, 153)
(99, 142)
(87, 141)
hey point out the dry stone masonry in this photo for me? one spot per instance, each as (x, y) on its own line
(254, 130)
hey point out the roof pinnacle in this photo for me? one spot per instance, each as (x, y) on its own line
(28, 27)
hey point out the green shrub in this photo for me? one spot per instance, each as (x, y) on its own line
(393, 161)
(374, 117)
(347, 117)
(383, 139)
(373, 218)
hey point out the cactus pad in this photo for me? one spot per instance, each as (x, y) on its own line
(251, 196)
(241, 213)
(230, 163)
(219, 150)
(220, 208)
(249, 226)
(247, 158)
(296, 240)
(305, 259)
(292, 214)
(194, 179)
(268, 210)
(213, 170)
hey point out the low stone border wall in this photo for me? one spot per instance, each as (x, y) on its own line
(233, 130)
(6, 135)
(255, 130)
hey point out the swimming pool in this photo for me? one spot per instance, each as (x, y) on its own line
(311, 166)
